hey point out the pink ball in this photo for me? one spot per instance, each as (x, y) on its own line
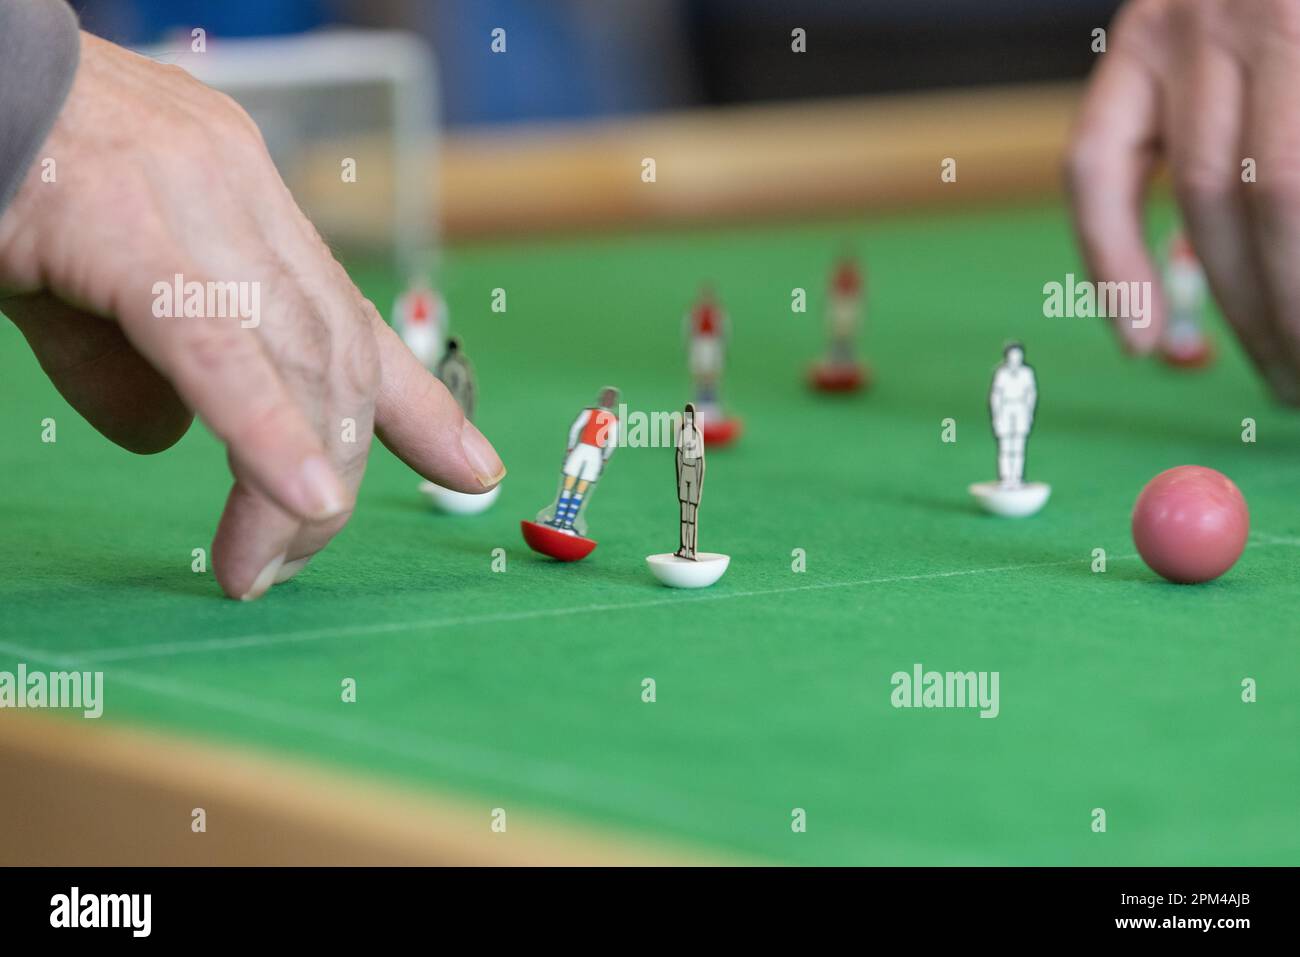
(1190, 524)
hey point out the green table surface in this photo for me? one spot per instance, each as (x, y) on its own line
(522, 689)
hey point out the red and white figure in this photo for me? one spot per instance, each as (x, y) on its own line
(560, 530)
(841, 370)
(420, 318)
(708, 329)
(1184, 342)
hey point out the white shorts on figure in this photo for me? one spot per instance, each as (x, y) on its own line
(706, 356)
(584, 463)
(1011, 426)
(844, 317)
(1012, 421)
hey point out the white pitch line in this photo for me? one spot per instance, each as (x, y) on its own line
(161, 649)
(169, 648)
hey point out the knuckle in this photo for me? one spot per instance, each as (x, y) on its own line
(265, 425)
(1200, 183)
(216, 354)
(1085, 160)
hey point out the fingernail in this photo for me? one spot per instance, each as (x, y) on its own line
(289, 569)
(264, 579)
(483, 459)
(325, 495)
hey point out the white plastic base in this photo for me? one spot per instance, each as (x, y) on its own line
(459, 503)
(1015, 501)
(683, 573)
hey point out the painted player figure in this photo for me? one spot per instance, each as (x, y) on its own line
(840, 370)
(457, 375)
(1184, 342)
(1013, 398)
(687, 567)
(559, 530)
(1011, 407)
(690, 479)
(707, 329)
(420, 317)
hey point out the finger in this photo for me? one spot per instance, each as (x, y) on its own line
(351, 378)
(221, 370)
(1274, 201)
(93, 366)
(252, 542)
(1204, 102)
(419, 421)
(1111, 156)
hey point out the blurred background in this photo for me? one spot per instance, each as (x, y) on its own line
(470, 119)
(586, 58)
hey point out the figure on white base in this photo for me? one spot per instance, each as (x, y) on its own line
(1013, 398)
(1011, 407)
(690, 480)
(457, 375)
(688, 568)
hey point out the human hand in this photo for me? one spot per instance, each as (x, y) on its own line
(1201, 85)
(157, 176)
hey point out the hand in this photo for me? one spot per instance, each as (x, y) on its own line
(158, 175)
(1201, 85)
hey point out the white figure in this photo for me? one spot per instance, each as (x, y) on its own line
(687, 567)
(690, 481)
(1011, 407)
(1012, 401)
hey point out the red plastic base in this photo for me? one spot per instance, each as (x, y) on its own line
(720, 433)
(830, 377)
(1191, 359)
(556, 544)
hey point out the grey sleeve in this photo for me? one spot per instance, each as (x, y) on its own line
(39, 48)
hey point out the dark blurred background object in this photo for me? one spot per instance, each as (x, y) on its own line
(584, 58)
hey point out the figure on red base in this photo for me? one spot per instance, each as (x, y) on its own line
(560, 529)
(1184, 343)
(707, 330)
(840, 370)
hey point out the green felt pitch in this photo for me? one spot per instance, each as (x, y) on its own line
(523, 689)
